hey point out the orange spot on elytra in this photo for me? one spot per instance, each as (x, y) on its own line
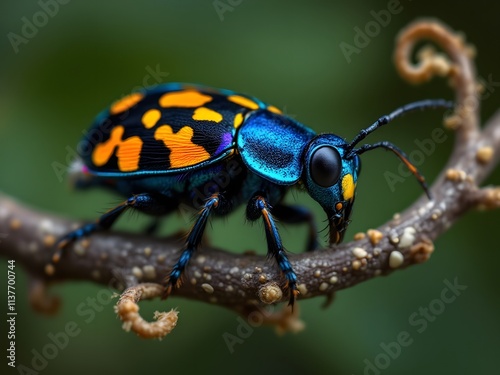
(205, 114)
(238, 119)
(150, 118)
(244, 102)
(128, 153)
(184, 99)
(183, 152)
(103, 151)
(126, 103)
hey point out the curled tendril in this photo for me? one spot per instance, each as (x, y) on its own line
(127, 309)
(456, 64)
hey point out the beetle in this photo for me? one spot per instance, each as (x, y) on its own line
(214, 149)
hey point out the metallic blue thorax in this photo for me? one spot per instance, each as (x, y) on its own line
(272, 146)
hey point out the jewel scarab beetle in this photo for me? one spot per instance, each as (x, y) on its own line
(213, 150)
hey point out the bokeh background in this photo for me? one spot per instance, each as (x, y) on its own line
(286, 53)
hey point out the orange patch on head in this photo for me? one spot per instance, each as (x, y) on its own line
(348, 187)
(238, 119)
(125, 103)
(150, 118)
(205, 114)
(128, 153)
(183, 152)
(184, 99)
(274, 109)
(244, 102)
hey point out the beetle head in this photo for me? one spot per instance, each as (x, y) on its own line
(331, 166)
(330, 178)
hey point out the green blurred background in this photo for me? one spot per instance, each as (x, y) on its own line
(286, 53)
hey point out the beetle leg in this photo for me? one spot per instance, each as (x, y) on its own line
(259, 207)
(142, 202)
(298, 215)
(193, 240)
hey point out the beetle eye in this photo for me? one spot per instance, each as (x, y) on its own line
(325, 166)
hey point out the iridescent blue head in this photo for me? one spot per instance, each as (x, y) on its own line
(332, 167)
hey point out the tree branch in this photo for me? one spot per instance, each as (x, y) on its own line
(244, 282)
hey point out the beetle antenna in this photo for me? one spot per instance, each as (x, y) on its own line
(411, 107)
(401, 155)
